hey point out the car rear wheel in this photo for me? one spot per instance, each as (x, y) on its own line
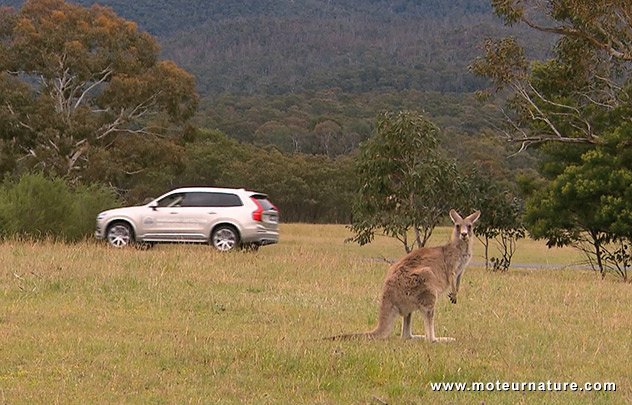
(225, 238)
(120, 235)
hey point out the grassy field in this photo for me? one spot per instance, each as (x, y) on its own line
(184, 324)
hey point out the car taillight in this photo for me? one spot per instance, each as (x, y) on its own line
(256, 214)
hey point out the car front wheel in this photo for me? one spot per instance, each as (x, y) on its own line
(120, 235)
(225, 238)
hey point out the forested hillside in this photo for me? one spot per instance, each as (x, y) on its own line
(308, 77)
(266, 70)
(286, 46)
(281, 46)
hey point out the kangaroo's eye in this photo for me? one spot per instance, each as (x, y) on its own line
(458, 226)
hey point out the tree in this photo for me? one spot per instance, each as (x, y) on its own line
(589, 206)
(576, 106)
(327, 132)
(580, 94)
(73, 80)
(405, 181)
(604, 24)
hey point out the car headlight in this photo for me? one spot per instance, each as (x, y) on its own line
(102, 215)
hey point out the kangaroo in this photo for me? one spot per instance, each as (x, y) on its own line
(417, 280)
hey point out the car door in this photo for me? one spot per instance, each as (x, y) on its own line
(197, 212)
(165, 220)
(215, 207)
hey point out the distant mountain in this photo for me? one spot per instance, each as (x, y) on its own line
(164, 17)
(287, 46)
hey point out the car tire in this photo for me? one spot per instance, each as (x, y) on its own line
(120, 234)
(225, 238)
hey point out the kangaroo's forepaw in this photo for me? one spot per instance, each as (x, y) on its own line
(452, 297)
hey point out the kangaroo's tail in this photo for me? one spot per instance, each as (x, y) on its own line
(386, 318)
(352, 336)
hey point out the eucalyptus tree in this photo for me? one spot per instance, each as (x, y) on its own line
(74, 80)
(583, 91)
(576, 107)
(405, 182)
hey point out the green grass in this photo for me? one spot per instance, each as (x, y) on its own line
(85, 323)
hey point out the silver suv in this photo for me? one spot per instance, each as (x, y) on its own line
(225, 217)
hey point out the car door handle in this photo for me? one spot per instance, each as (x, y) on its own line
(173, 213)
(212, 212)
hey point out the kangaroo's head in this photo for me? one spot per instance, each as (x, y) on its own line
(463, 227)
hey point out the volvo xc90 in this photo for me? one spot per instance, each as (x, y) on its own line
(227, 218)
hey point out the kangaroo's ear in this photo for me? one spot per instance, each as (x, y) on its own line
(475, 216)
(455, 216)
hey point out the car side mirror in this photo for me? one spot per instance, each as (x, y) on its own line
(154, 207)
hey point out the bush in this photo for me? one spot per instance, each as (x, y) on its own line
(36, 207)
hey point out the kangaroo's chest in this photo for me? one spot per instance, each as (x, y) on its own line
(462, 261)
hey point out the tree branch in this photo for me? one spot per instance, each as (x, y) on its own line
(105, 74)
(612, 45)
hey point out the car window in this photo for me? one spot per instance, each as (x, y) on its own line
(172, 200)
(262, 199)
(202, 199)
(227, 200)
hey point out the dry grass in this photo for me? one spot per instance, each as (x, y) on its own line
(183, 324)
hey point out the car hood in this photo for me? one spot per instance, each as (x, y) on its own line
(125, 211)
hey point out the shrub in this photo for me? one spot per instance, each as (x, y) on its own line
(36, 207)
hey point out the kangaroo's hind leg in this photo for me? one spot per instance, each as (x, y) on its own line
(386, 318)
(428, 314)
(407, 328)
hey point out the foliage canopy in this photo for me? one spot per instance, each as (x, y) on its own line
(576, 106)
(406, 183)
(579, 94)
(73, 80)
(589, 206)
